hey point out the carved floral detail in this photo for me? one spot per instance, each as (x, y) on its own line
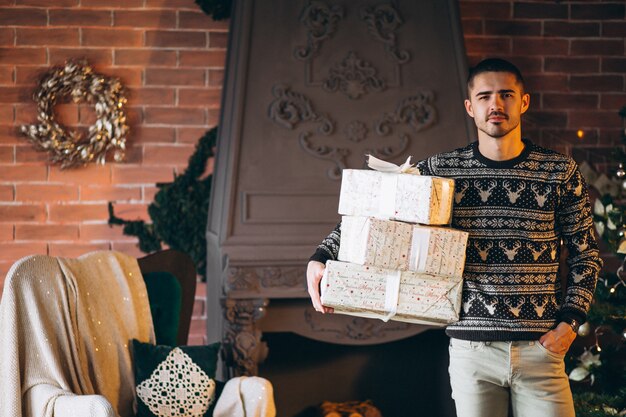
(320, 20)
(382, 21)
(289, 109)
(356, 131)
(242, 346)
(354, 328)
(416, 111)
(257, 278)
(354, 77)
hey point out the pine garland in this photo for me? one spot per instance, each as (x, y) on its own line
(180, 210)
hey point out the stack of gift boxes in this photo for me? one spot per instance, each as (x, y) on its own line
(396, 261)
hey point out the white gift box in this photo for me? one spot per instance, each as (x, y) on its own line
(396, 196)
(374, 292)
(402, 246)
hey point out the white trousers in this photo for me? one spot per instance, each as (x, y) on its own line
(484, 374)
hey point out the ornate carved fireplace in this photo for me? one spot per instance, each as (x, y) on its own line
(311, 87)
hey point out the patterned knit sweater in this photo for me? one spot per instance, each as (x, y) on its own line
(517, 213)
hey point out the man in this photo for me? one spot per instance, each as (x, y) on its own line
(519, 202)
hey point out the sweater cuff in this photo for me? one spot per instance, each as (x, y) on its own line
(321, 255)
(570, 313)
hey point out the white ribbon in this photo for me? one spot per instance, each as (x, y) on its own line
(392, 292)
(384, 166)
(419, 249)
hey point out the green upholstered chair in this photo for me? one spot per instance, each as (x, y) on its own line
(170, 278)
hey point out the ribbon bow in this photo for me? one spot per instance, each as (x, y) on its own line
(384, 166)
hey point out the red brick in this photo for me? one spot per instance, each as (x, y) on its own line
(7, 115)
(145, 57)
(199, 308)
(597, 47)
(198, 326)
(569, 137)
(30, 75)
(103, 232)
(572, 65)
(26, 113)
(218, 40)
(27, 56)
(614, 65)
(111, 4)
(175, 39)
(7, 36)
(111, 37)
(541, 10)
(30, 154)
(170, 4)
(216, 78)
(67, 114)
(197, 339)
(10, 213)
(570, 29)
(132, 76)
(22, 173)
(537, 119)
(23, 16)
(91, 174)
(149, 193)
(46, 232)
(45, 192)
(167, 154)
(46, 37)
(614, 29)
(46, 3)
(204, 59)
(98, 57)
(132, 211)
(109, 193)
(612, 101)
(570, 101)
(175, 116)
(199, 20)
(598, 11)
(540, 46)
(190, 134)
(535, 83)
(6, 193)
(80, 17)
(10, 135)
(485, 9)
(161, 96)
(141, 175)
(603, 119)
(492, 46)
(86, 114)
(201, 97)
(145, 134)
(6, 154)
(6, 232)
(169, 77)
(17, 250)
(134, 154)
(144, 19)
(596, 83)
(74, 213)
(6, 75)
(74, 250)
(513, 27)
(472, 26)
(130, 249)
(214, 117)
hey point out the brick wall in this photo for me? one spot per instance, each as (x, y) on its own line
(171, 57)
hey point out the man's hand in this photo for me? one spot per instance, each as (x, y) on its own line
(558, 340)
(314, 273)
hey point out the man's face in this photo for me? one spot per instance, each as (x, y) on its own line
(496, 103)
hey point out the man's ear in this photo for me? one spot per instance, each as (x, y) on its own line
(525, 102)
(468, 108)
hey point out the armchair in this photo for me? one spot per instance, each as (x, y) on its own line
(66, 327)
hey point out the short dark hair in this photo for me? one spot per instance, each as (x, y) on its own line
(494, 65)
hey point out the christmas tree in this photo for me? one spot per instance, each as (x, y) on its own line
(597, 361)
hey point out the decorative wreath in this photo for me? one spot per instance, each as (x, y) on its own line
(70, 148)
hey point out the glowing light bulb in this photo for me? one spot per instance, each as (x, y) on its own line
(580, 133)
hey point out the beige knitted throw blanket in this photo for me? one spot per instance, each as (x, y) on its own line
(65, 327)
